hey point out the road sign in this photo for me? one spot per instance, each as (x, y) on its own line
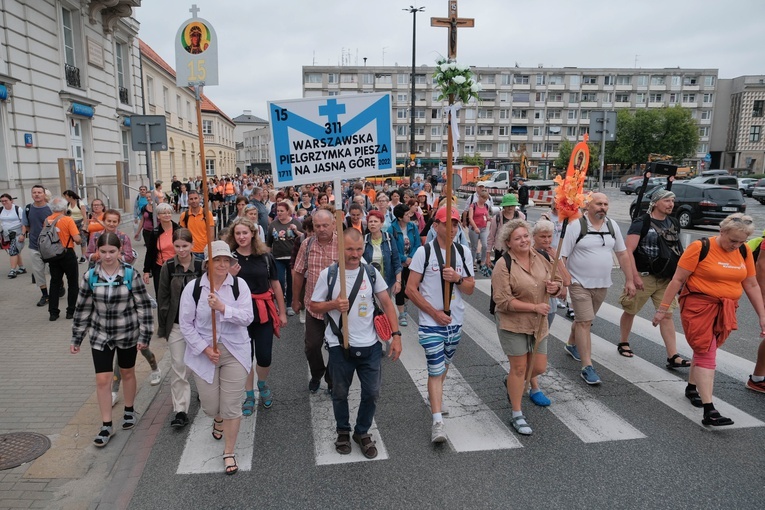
(598, 126)
(708, 158)
(196, 52)
(157, 132)
(326, 138)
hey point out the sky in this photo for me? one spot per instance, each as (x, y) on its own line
(263, 44)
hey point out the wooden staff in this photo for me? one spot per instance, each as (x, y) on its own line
(205, 208)
(339, 220)
(449, 169)
(538, 335)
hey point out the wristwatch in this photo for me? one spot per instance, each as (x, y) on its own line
(396, 333)
(459, 282)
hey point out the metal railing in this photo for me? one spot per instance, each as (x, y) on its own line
(72, 76)
(124, 95)
(99, 191)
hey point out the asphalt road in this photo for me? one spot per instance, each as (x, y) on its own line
(664, 459)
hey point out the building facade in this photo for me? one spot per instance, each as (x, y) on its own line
(252, 135)
(535, 107)
(739, 127)
(69, 77)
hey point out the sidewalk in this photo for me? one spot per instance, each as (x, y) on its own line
(47, 390)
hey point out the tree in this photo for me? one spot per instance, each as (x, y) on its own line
(564, 154)
(475, 160)
(669, 131)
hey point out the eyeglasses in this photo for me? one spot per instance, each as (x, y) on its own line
(742, 220)
(166, 212)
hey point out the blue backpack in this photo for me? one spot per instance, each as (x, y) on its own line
(127, 280)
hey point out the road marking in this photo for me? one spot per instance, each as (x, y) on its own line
(585, 416)
(203, 454)
(325, 428)
(470, 424)
(657, 382)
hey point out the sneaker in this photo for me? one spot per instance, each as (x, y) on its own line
(314, 385)
(302, 316)
(12, 273)
(572, 351)
(21, 270)
(290, 311)
(755, 386)
(181, 420)
(82, 260)
(437, 434)
(570, 313)
(43, 301)
(589, 376)
(69, 315)
(561, 304)
(156, 377)
(53, 317)
(115, 396)
(402, 319)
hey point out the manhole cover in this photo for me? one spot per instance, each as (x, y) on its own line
(17, 448)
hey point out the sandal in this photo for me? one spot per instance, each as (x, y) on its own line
(129, 420)
(715, 419)
(230, 469)
(217, 433)
(103, 437)
(521, 426)
(677, 362)
(248, 406)
(343, 443)
(367, 445)
(694, 397)
(624, 349)
(265, 395)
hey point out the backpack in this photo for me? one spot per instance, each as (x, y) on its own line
(127, 280)
(307, 248)
(386, 238)
(670, 249)
(584, 230)
(460, 250)
(197, 292)
(755, 245)
(49, 243)
(705, 249)
(337, 329)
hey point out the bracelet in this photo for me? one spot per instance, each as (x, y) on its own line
(664, 306)
(396, 333)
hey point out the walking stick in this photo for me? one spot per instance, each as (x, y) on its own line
(341, 272)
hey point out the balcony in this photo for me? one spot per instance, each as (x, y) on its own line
(72, 76)
(124, 95)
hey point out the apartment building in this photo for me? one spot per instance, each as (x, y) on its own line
(738, 140)
(538, 107)
(252, 135)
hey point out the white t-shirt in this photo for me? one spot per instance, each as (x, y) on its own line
(589, 260)
(11, 220)
(430, 286)
(361, 330)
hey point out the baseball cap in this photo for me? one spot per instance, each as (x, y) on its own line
(441, 215)
(509, 200)
(219, 249)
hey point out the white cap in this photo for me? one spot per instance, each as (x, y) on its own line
(219, 249)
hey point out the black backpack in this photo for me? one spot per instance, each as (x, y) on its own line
(197, 292)
(705, 249)
(585, 230)
(670, 248)
(332, 272)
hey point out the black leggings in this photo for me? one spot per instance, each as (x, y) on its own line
(401, 296)
(103, 360)
(261, 342)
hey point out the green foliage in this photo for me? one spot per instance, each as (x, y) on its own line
(564, 154)
(474, 160)
(669, 131)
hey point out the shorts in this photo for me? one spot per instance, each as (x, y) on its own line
(519, 344)
(440, 344)
(585, 302)
(653, 288)
(103, 360)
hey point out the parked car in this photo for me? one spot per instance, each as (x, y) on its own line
(632, 185)
(758, 193)
(718, 180)
(698, 203)
(707, 173)
(746, 185)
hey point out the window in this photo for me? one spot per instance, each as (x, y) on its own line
(504, 114)
(536, 147)
(706, 115)
(166, 99)
(690, 80)
(502, 147)
(709, 81)
(657, 80)
(313, 77)
(435, 130)
(656, 98)
(333, 78)
(401, 113)
(119, 57)
(484, 113)
(553, 130)
(420, 131)
(608, 97)
(435, 147)
(689, 98)
(402, 79)
(521, 79)
(207, 127)
(419, 113)
(434, 113)
(641, 97)
(573, 97)
(469, 114)
(485, 131)
(485, 148)
(673, 98)
(367, 79)
(574, 81)
(348, 78)
(383, 79)
(552, 147)
(402, 147)
(642, 80)
(506, 79)
(707, 98)
(584, 114)
(541, 79)
(758, 108)
(622, 98)
(623, 79)
(70, 30)
(402, 97)
(754, 133)
(469, 148)
(589, 97)
(571, 131)
(470, 130)
(556, 96)
(488, 78)
(589, 80)
(503, 97)
(178, 109)
(519, 114)
(539, 97)
(537, 131)
(572, 114)
(704, 131)
(538, 114)
(583, 130)
(210, 166)
(609, 80)
(150, 89)
(400, 130)
(556, 79)
(553, 114)
(703, 148)
(520, 97)
(188, 110)
(503, 131)
(676, 81)
(420, 79)
(519, 130)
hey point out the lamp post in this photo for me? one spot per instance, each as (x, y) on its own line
(414, 10)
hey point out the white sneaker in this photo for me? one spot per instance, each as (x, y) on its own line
(290, 311)
(156, 377)
(437, 434)
(115, 395)
(302, 316)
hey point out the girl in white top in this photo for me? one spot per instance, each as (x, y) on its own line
(11, 234)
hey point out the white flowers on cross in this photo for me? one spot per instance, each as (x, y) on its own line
(456, 80)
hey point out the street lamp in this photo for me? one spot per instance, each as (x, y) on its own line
(414, 10)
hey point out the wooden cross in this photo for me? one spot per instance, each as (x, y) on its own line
(453, 22)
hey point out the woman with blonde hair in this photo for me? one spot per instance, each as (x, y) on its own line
(256, 265)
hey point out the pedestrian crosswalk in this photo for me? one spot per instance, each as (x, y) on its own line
(473, 424)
